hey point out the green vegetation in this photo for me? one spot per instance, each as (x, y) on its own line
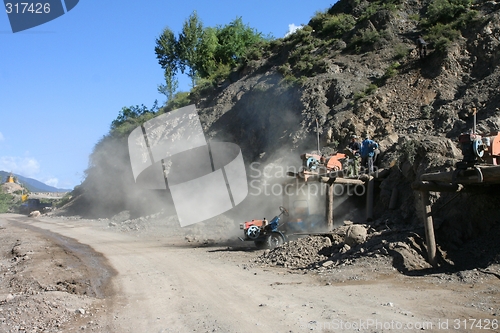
(204, 52)
(408, 151)
(332, 26)
(414, 17)
(208, 55)
(401, 51)
(444, 19)
(446, 11)
(179, 100)
(391, 71)
(131, 117)
(441, 36)
(368, 91)
(376, 6)
(6, 201)
(366, 38)
(426, 111)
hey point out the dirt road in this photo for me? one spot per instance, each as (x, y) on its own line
(164, 284)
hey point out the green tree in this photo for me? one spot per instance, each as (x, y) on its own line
(167, 54)
(206, 63)
(171, 84)
(166, 51)
(233, 41)
(202, 52)
(130, 116)
(189, 45)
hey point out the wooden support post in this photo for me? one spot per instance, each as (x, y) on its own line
(369, 198)
(394, 199)
(329, 206)
(429, 228)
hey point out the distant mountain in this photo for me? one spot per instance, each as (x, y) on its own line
(31, 184)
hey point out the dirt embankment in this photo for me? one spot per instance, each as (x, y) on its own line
(49, 283)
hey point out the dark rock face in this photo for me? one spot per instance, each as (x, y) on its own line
(414, 108)
(416, 115)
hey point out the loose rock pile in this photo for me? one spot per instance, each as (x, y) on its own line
(345, 245)
(300, 253)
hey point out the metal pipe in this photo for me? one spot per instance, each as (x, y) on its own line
(474, 110)
(317, 133)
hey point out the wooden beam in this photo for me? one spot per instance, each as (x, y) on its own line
(348, 181)
(491, 174)
(338, 180)
(435, 187)
(430, 239)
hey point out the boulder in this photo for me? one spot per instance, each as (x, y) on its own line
(356, 234)
(34, 213)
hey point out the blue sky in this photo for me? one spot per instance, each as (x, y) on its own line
(63, 82)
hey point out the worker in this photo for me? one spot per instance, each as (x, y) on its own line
(353, 153)
(369, 152)
(421, 47)
(354, 144)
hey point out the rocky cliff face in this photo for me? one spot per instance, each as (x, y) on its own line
(415, 108)
(431, 97)
(355, 70)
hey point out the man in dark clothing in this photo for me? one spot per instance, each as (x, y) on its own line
(353, 154)
(422, 47)
(354, 144)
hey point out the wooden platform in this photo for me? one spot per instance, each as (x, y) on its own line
(451, 181)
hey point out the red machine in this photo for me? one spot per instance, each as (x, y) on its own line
(315, 166)
(479, 149)
(264, 233)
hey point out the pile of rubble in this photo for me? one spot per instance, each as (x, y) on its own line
(344, 245)
(300, 253)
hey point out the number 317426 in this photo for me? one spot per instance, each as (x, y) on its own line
(27, 8)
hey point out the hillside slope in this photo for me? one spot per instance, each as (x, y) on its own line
(355, 69)
(415, 108)
(32, 184)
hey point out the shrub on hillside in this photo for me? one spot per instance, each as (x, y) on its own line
(445, 11)
(179, 100)
(441, 35)
(337, 25)
(6, 202)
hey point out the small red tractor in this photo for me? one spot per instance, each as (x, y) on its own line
(264, 233)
